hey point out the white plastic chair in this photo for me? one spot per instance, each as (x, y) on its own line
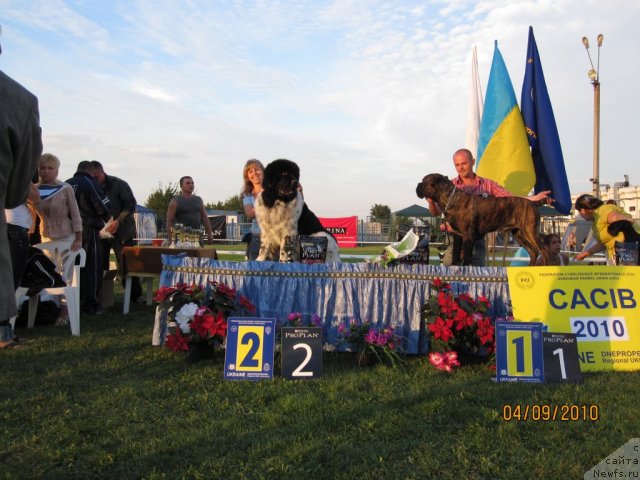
(65, 260)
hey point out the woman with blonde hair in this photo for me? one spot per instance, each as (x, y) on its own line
(252, 176)
(58, 210)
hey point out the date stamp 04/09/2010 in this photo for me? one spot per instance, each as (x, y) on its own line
(544, 412)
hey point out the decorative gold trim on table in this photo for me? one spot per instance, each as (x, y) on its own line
(383, 274)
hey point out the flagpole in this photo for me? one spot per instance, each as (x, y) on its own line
(596, 139)
(474, 107)
(594, 75)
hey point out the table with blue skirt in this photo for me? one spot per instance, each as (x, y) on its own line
(337, 292)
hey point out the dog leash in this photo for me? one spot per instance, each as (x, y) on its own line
(446, 240)
(449, 201)
(442, 248)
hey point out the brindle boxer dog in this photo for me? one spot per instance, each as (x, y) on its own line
(473, 216)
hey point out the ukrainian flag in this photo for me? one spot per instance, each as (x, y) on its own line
(503, 149)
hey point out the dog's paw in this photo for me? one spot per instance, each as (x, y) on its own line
(263, 254)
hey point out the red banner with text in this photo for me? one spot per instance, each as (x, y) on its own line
(345, 229)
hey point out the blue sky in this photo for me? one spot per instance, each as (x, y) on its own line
(366, 96)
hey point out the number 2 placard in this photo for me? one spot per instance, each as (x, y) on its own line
(249, 352)
(519, 352)
(301, 352)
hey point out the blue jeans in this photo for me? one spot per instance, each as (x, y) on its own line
(6, 332)
(479, 254)
(253, 247)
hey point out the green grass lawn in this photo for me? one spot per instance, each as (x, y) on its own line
(109, 405)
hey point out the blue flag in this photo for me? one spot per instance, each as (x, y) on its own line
(542, 132)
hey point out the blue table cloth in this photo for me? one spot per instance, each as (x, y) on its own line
(386, 296)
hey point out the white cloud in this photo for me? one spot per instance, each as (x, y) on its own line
(367, 96)
(153, 92)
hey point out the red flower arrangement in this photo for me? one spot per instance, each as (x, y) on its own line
(459, 326)
(197, 318)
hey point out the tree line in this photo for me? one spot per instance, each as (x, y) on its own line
(159, 199)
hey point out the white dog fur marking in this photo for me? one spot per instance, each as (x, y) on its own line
(279, 222)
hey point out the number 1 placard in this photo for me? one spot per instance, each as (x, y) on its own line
(561, 362)
(519, 352)
(249, 352)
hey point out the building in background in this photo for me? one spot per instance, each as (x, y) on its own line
(625, 197)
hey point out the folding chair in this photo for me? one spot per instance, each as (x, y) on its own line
(65, 260)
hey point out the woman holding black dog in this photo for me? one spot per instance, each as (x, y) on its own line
(611, 224)
(252, 176)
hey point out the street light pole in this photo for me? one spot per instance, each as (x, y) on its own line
(594, 75)
(596, 139)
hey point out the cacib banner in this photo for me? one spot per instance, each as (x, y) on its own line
(344, 229)
(599, 304)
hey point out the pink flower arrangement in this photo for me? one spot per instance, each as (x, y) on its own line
(444, 361)
(383, 343)
(295, 319)
(459, 325)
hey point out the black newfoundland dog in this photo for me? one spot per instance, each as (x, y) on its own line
(282, 213)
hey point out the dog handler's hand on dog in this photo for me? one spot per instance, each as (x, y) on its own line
(542, 196)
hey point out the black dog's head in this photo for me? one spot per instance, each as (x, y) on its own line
(431, 185)
(280, 182)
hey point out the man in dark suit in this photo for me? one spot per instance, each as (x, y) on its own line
(20, 148)
(123, 205)
(93, 204)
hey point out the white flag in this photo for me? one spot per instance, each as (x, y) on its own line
(474, 108)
